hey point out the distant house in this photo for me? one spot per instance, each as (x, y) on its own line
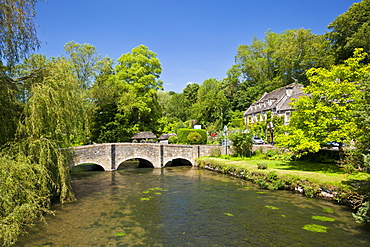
(144, 136)
(164, 138)
(276, 101)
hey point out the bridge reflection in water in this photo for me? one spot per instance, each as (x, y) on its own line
(110, 156)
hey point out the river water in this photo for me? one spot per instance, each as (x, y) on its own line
(183, 206)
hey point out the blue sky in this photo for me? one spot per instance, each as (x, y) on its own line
(194, 39)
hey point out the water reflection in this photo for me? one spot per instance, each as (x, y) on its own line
(185, 206)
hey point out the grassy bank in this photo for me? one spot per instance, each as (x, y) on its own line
(312, 179)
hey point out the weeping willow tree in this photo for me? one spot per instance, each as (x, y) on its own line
(52, 118)
(40, 114)
(34, 166)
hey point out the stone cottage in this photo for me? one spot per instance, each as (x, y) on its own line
(276, 101)
(146, 136)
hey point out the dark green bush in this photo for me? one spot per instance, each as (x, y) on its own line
(262, 166)
(272, 175)
(363, 213)
(182, 135)
(194, 138)
(24, 196)
(173, 140)
(242, 143)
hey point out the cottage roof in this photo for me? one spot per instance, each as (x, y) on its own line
(278, 99)
(166, 136)
(286, 104)
(144, 135)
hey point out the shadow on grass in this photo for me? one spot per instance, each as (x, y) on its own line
(310, 167)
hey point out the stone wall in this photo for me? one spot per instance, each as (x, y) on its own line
(264, 148)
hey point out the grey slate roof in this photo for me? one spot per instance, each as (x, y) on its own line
(144, 135)
(166, 136)
(276, 101)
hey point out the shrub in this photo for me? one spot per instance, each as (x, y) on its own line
(182, 135)
(194, 138)
(363, 213)
(215, 152)
(366, 162)
(262, 166)
(173, 140)
(272, 175)
(242, 143)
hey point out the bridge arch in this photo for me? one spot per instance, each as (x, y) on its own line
(134, 163)
(88, 167)
(179, 161)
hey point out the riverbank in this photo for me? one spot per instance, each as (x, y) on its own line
(327, 181)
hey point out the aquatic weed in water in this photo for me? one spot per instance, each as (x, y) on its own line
(323, 218)
(315, 228)
(328, 210)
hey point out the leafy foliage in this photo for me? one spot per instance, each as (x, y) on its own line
(242, 143)
(34, 167)
(363, 213)
(24, 195)
(173, 140)
(18, 32)
(130, 103)
(327, 114)
(194, 138)
(183, 135)
(350, 30)
(268, 64)
(211, 106)
(85, 62)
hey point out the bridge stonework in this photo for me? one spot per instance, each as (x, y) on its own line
(111, 155)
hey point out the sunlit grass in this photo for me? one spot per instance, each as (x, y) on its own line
(327, 175)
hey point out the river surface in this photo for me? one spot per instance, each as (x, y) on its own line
(183, 206)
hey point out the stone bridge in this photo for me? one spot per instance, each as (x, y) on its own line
(111, 155)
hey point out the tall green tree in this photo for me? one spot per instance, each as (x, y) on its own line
(49, 119)
(178, 108)
(17, 39)
(85, 60)
(39, 106)
(18, 33)
(276, 61)
(350, 30)
(212, 105)
(191, 92)
(132, 104)
(328, 113)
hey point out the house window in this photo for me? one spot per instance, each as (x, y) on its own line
(287, 117)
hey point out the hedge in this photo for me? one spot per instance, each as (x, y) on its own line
(182, 135)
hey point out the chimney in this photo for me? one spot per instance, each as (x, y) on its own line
(289, 90)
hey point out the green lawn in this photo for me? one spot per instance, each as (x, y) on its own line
(326, 175)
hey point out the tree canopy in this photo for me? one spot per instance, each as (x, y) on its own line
(131, 103)
(276, 61)
(327, 113)
(350, 30)
(18, 32)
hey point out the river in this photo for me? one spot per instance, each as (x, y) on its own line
(184, 206)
